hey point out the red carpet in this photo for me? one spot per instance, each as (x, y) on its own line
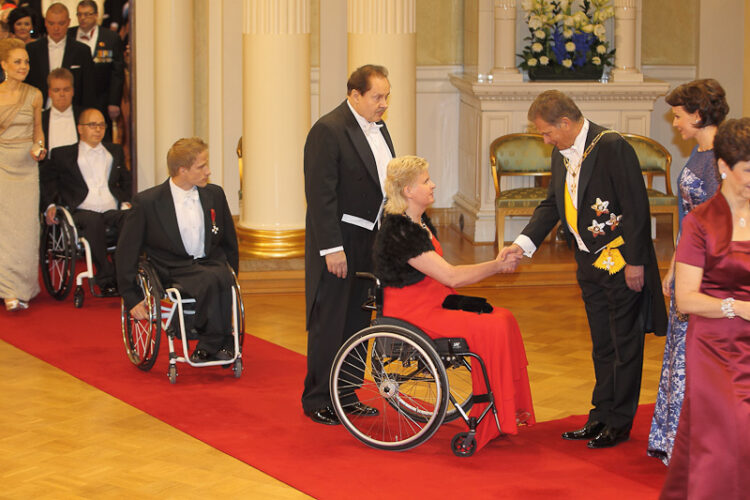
(258, 419)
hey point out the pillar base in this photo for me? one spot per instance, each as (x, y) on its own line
(269, 244)
(506, 75)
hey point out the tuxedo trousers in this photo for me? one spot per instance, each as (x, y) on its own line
(93, 226)
(336, 315)
(616, 325)
(210, 283)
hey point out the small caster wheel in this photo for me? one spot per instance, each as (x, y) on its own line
(237, 368)
(463, 444)
(172, 374)
(78, 297)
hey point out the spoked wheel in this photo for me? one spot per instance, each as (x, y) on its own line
(398, 372)
(58, 257)
(463, 444)
(459, 381)
(142, 337)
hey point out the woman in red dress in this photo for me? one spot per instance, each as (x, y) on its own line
(711, 456)
(409, 264)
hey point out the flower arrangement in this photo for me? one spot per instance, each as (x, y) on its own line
(564, 42)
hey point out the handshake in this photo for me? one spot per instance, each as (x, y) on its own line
(508, 258)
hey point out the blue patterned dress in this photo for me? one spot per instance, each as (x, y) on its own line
(698, 181)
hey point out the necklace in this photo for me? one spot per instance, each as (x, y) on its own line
(421, 222)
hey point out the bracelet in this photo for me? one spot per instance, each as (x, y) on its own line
(727, 307)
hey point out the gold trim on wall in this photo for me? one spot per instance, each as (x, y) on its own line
(269, 244)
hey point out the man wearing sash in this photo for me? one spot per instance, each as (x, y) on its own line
(597, 191)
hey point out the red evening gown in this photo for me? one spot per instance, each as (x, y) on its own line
(495, 337)
(711, 457)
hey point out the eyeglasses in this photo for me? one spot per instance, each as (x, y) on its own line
(85, 14)
(101, 125)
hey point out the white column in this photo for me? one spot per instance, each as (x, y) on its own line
(625, 69)
(383, 32)
(173, 78)
(276, 119)
(505, 43)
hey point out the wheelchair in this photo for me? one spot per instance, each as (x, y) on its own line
(60, 249)
(415, 382)
(171, 310)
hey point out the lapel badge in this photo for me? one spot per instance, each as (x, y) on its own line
(614, 221)
(600, 207)
(214, 227)
(597, 228)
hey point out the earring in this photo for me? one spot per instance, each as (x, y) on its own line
(723, 175)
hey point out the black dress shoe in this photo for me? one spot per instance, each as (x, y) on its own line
(361, 409)
(609, 437)
(109, 291)
(324, 415)
(224, 354)
(588, 431)
(200, 356)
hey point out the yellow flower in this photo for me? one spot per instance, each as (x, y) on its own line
(601, 49)
(532, 62)
(537, 47)
(570, 46)
(544, 60)
(596, 60)
(540, 34)
(567, 63)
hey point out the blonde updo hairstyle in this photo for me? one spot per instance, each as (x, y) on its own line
(8, 45)
(402, 172)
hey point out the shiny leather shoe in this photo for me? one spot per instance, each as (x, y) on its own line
(609, 437)
(224, 354)
(361, 409)
(324, 415)
(588, 431)
(109, 291)
(200, 356)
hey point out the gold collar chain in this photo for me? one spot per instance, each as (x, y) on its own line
(573, 171)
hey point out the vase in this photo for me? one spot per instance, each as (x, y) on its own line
(559, 73)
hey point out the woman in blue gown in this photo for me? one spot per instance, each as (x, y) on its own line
(698, 108)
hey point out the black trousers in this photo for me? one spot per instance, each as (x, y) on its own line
(616, 324)
(93, 226)
(210, 283)
(336, 315)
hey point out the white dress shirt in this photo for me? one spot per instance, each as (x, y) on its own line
(62, 129)
(96, 165)
(88, 38)
(55, 51)
(187, 206)
(574, 154)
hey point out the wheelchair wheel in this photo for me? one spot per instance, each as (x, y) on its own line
(58, 258)
(463, 444)
(142, 337)
(398, 372)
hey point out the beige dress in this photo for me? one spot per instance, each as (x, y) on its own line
(19, 199)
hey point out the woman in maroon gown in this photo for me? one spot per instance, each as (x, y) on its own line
(711, 457)
(409, 263)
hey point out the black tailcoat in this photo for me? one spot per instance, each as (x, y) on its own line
(76, 58)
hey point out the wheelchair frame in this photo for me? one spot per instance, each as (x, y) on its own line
(407, 376)
(60, 248)
(142, 337)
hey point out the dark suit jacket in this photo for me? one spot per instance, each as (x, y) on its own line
(611, 172)
(45, 120)
(76, 58)
(151, 227)
(341, 177)
(63, 184)
(109, 66)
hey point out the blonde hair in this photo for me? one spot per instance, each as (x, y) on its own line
(183, 154)
(8, 45)
(402, 171)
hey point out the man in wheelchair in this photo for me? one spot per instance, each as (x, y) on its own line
(185, 229)
(89, 177)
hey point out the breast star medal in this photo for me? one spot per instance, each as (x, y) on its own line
(214, 227)
(600, 207)
(596, 228)
(614, 221)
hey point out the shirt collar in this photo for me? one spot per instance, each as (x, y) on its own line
(364, 124)
(84, 148)
(179, 194)
(56, 45)
(579, 145)
(90, 34)
(68, 111)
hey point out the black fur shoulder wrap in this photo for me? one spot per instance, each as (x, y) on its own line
(398, 240)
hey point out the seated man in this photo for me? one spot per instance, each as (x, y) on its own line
(59, 122)
(185, 228)
(92, 180)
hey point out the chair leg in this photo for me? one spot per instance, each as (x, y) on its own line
(675, 226)
(500, 222)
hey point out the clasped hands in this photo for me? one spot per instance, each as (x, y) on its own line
(509, 257)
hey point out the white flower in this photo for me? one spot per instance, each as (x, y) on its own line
(601, 49)
(587, 28)
(570, 47)
(567, 63)
(537, 47)
(544, 60)
(535, 22)
(568, 21)
(532, 62)
(603, 38)
(599, 30)
(540, 34)
(596, 60)
(567, 32)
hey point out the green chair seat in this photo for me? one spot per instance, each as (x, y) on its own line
(658, 198)
(521, 197)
